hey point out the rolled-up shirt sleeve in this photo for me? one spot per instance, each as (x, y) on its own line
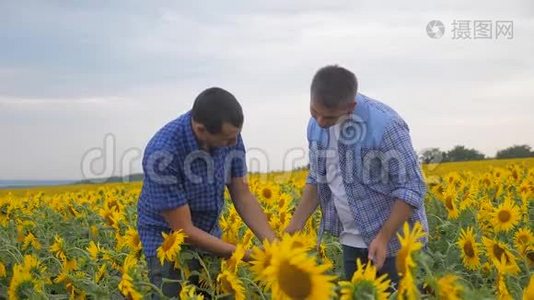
(312, 159)
(404, 172)
(311, 179)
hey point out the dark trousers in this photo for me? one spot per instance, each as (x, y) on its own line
(157, 272)
(351, 254)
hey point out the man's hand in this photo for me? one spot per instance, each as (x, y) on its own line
(248, 256)
(307, 205)
(180, 218)
(378, 250)
(291, 229)
(400, 212)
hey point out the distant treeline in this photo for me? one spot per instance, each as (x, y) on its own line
(462, 153)
(129, 178)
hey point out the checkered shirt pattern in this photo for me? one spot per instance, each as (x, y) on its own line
(176, 173)
(370, 191)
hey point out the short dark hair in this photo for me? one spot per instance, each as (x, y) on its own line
(215, 106)
(334, 85)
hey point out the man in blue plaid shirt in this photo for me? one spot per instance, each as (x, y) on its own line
(364, 173)
(187, 165)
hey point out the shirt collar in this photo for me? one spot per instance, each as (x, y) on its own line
(191, 142)
(362, 109)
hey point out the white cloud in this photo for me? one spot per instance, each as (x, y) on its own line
(129, 69)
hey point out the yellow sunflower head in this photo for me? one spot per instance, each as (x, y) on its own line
(501, 256)
(130, 262)
(31, 240)
(505, 216)
(23, 283)
(171, 246)
(469, 248)
(32, 264)
(3, 271)
(248, 238)
(450, 200)
(94, 249)
(502, 290)
(449, 288)
(235, 260)
(229, 283)
(189, 292)
(127, 288)
(410, 243)
(299, 240)
(529, 255)
(132, 239)
(528, 292)
(100, 273)
(284, 201)
(365, 284)
(261, 260)
(58, 247)
(267, 193)
(293, 274)
(523, 238)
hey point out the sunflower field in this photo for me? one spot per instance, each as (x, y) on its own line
(80, 241)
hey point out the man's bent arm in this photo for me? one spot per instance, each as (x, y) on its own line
(307, 205)
(180, 218)
(249, 209)
(400, 213)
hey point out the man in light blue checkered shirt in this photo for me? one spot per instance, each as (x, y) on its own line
(187, 165)
(364, 172)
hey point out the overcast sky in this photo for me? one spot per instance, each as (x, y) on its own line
(73, 71)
